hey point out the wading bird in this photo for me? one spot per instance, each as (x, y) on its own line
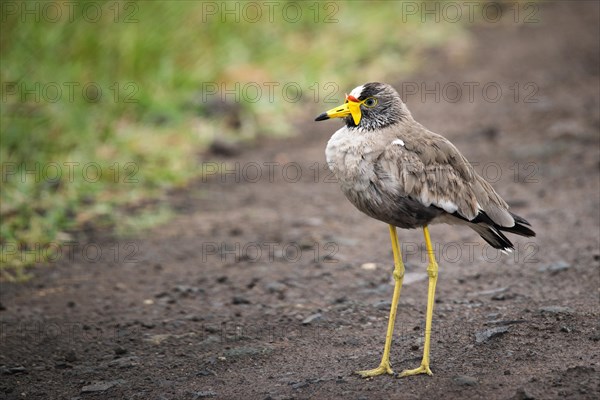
(394, 170)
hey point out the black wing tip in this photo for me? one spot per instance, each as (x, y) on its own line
(521, 227)
(498, 240)
(523, 231)
(520, 220)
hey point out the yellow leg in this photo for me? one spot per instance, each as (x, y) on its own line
(385, 366)
(432, 271)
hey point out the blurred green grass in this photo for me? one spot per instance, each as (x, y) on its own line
(143, 118)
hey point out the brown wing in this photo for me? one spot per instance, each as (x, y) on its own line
(431, 170)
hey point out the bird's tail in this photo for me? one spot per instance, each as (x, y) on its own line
(492, 233)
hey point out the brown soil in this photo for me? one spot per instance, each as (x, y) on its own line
(258, 289)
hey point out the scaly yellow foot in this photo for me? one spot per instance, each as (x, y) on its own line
(384, 368)
(423, 369)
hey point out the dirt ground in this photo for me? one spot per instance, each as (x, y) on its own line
(277, 288)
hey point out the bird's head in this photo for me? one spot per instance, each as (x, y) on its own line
(370, 106)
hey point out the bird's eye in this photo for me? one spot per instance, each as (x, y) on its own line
(371, 102)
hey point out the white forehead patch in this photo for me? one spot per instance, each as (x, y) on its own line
(357, 91)
(398, 141)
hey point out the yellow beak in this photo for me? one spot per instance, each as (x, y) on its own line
(348, 108)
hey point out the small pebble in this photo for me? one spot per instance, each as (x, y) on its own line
(275, 287)
(204, 395)
(70, 356)
(464, 380)
(100, 386)
(555, 268)
(484, 336)
(383, 305)
(523, 394)
(369, 266)
(240, 300)
(555, 310)
(312, 318)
